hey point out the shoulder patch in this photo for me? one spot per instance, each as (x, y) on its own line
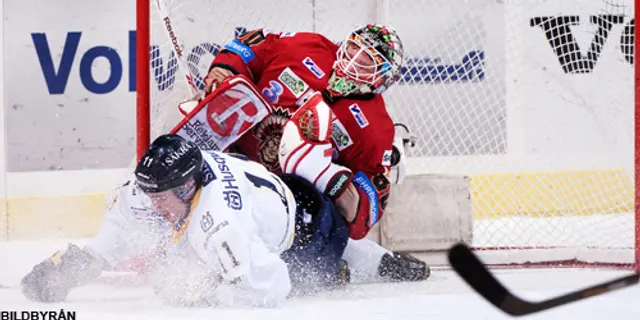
(241, 49)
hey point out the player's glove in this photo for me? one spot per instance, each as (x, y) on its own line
(52, 279)
(306, 149)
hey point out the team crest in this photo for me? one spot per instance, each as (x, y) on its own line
(268, 133)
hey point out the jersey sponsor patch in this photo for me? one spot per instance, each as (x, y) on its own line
(362, 182)
(229, 183)
(209, 231)
(386, 158)
(313, 67)
(305, 97)
(340, 135)
(358, 115)
(206, 222)
(241, 50)
(273, 91)
(337, 183)
(293, 82)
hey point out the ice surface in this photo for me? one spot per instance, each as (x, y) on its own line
(444, 296)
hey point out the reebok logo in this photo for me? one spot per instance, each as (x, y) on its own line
(338, 184)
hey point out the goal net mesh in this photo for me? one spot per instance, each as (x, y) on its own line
(531, 101)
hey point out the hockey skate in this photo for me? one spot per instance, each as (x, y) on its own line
(398, 266)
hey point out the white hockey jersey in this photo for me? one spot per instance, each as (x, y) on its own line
(240, 221)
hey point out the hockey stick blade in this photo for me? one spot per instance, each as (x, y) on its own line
(469, 267)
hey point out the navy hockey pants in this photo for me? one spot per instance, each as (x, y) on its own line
(314, 259)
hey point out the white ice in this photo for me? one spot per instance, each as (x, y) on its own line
(443, 296)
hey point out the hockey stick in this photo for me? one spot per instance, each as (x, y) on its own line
(176, 47)
(468, 266)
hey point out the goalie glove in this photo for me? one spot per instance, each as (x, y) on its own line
(306, 149)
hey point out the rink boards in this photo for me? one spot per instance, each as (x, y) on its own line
(507, 136)
(71, 204)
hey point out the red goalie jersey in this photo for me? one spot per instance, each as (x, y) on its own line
(288, 68)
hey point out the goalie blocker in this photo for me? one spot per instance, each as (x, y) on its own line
(223, 116)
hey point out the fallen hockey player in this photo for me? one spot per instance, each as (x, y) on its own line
(216, 229)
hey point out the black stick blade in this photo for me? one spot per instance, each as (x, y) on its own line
(467, 265)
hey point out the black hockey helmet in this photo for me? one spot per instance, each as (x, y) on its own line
(169, 162)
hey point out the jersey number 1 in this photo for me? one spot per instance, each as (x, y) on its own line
(264, 183)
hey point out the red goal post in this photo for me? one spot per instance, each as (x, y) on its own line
(525, 113)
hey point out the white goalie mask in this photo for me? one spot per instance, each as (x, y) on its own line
(368, 61)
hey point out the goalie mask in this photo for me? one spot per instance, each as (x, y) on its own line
(368, 61)
(169, 173)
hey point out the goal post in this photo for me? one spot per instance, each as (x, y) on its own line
(143, 77)
(525, 113)
(636, 86)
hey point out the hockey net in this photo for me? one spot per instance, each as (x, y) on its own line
(523, 113)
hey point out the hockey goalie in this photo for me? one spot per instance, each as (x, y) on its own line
(290, 68)
(263, 79)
